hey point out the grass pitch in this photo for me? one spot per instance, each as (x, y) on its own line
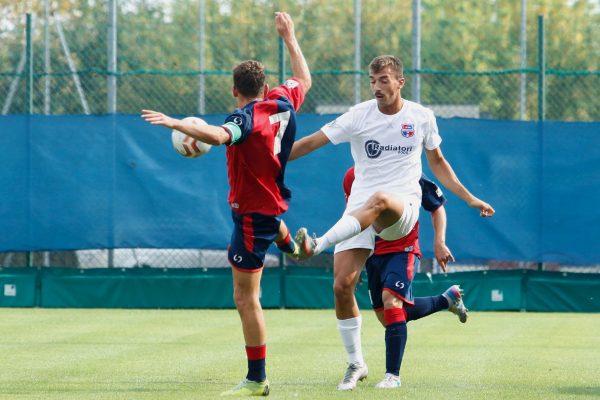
(196, 354)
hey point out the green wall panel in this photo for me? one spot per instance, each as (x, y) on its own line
(290, 287)
(307, 287)
(312, 287)
(136, 288)
(563, 292)
(270, 284)
(484, 290)
(148, 288)
(18, 287)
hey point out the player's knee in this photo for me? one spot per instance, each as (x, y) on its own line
(343, 289)
(243, 299)
(392, 301)
(238, 299)
(246, 304)
(380, 201)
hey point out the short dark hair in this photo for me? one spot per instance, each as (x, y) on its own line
(379, 63)
(249, 78)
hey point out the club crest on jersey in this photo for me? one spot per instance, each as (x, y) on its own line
(408, 130)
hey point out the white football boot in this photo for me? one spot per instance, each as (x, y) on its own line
(355, 372)
(390, 381)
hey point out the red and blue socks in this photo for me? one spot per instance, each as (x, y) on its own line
(287, 244)
(396, 334)
(395, 339)
(257, 356)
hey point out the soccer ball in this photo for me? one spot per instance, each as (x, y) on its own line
(186, 145)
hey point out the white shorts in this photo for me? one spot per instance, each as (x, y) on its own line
(401, 228)
(364, 240)
(405, 224)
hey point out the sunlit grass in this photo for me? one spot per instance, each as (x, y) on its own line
(196, 354)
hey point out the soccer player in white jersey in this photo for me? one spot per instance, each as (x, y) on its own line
(387, 136)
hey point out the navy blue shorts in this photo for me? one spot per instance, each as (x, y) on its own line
(391, 272)
(252, 235)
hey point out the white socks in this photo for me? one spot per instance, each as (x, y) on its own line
(350, 333)
(345, 228)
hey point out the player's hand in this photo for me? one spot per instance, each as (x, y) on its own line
(443, 255)
(284, 25)
(157, 118)
(485, 209)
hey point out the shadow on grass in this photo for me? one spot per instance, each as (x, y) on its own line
(118, 386)
(592, 391)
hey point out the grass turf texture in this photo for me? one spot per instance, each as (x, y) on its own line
(196, 354)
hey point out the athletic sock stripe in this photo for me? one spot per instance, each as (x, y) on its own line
(256, 352)
(393, 316)
(286, 240)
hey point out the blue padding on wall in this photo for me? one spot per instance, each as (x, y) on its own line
(77, 182)
(498, 161)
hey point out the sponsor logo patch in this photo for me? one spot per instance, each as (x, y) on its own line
(374, 149)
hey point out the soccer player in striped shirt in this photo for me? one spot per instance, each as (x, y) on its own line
(259, 135)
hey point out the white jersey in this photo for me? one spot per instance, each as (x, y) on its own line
(386, 148)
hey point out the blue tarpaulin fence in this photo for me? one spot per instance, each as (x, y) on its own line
(80, 182)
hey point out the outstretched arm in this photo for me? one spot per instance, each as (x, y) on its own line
(308, 144)
(285, 29)
(444, 172)
(211, 134)
(442, 253)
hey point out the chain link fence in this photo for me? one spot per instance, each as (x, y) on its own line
(477, 59)
(177, 56)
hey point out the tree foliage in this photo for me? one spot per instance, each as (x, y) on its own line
(158, 52)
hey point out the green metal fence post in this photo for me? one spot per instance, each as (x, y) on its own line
(541, 70)
(541, 111)
(29, 88)
(201, 57)
(111, 53)
(29, 64)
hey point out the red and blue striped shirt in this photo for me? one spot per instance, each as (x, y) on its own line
(263, 133)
